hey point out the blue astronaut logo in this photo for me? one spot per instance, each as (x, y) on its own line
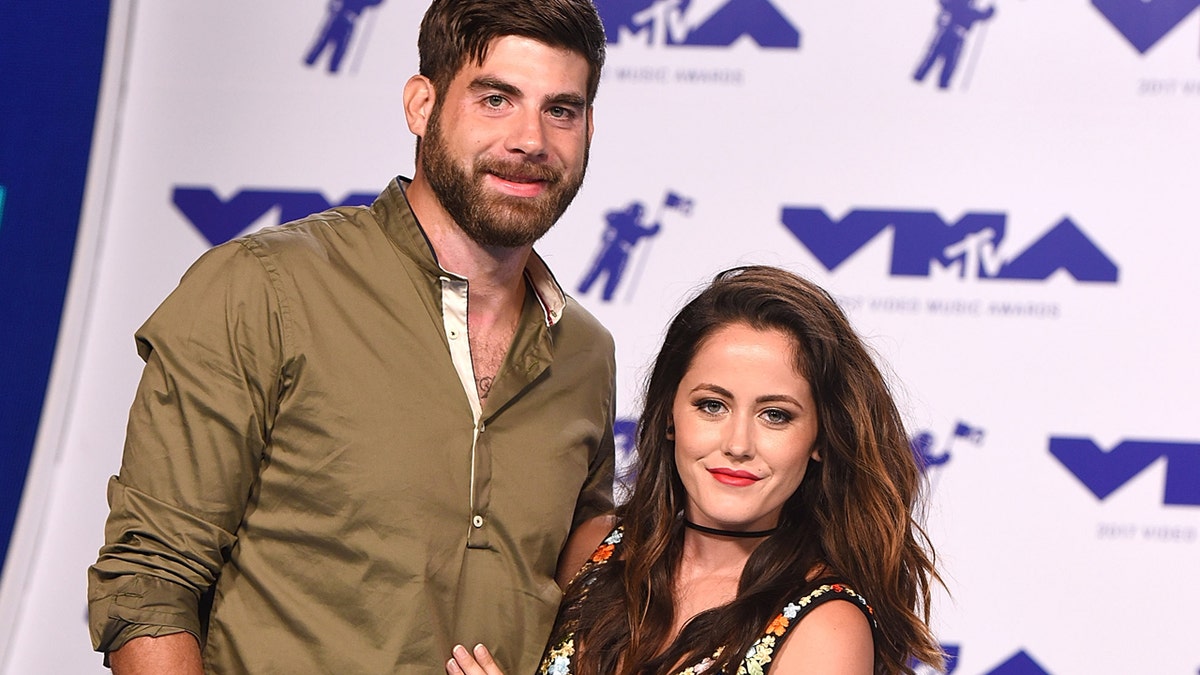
(709, 23)
(220, 220)
(624, 230)
(337, 31)
(1104, 471)
(929, 456)
(954, 22)
(969, 248)
(1144, 22)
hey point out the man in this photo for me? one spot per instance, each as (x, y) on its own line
(363, 437)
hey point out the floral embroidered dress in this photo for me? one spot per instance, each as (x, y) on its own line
(559, 658)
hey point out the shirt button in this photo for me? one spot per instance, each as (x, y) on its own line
(453, 335)
(477, 521)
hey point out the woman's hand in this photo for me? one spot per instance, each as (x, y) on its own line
(478, 662)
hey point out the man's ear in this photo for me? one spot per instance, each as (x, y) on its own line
(419, 97)
(591, 127)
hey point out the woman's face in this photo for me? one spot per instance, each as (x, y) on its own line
(744, 426)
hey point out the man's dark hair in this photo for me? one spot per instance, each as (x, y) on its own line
(456, 30)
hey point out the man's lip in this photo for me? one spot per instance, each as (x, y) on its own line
(527, 186)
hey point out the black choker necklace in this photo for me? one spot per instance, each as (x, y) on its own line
(729, 533)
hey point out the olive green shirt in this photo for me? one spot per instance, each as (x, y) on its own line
(307, 437)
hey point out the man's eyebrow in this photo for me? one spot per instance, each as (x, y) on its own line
(567, 99)
(491, 83)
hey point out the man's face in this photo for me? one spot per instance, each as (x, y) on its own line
(507, 143)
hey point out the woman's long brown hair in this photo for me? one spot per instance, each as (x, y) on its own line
(853, 514)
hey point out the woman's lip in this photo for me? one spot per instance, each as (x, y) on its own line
(734, 477)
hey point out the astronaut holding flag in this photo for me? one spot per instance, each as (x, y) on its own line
(624, 229)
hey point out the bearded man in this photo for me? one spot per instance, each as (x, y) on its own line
(363, 437)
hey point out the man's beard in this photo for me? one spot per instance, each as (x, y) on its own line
(491, 219)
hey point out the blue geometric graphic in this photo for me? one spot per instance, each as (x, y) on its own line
(335, 34)
(971, 245)
(1103, 472)
(1, 205)
(221, 220)
(697, 23)
(1020, 664)
(51, 60)
(954, 21)
(623, 230)
(1145, 22)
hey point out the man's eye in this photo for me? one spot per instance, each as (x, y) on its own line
(561, 112)
(495, 100)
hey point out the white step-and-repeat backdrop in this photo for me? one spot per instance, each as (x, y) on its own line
(1002, 193)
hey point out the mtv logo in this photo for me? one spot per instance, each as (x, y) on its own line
(220, 220)
(922, 239)
(1103, 471)
(1145, 22)
(711, 23)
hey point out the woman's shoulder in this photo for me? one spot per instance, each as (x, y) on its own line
(815, 633)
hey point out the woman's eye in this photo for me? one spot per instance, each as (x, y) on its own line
(710, 406)
(776, 416)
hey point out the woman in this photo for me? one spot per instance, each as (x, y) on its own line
(771, 523)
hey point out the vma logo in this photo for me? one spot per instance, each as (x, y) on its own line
(1144, 22)
(2, 205)
(624, 230)
(1104, 471)
(969, 248)
(337, 32)
(707, 23)
(220, 220)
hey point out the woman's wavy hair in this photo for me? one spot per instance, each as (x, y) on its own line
(454, 31)
(852, 516)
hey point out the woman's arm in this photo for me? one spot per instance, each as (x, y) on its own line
(580, 546)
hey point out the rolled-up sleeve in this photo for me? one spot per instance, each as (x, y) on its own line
(198, 427)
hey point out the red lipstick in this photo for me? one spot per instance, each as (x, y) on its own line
(734, 477)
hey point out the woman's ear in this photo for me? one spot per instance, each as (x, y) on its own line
(670, 428)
